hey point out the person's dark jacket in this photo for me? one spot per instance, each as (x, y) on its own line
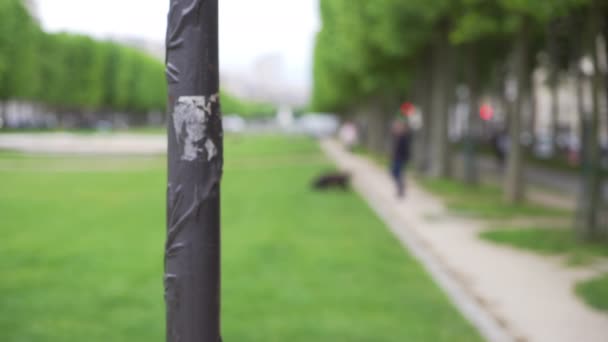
(401, 148)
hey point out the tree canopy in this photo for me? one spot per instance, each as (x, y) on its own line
(365, 48)
(69, 71)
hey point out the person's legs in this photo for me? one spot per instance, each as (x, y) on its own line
(403, 178)
(397, 170)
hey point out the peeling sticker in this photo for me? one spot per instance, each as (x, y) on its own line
(190, 118)
(211, 149)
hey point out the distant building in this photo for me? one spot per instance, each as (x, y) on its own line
(153, 48)
(32, 6)
(265, 81)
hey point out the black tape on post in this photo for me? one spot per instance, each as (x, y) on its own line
(195, 159)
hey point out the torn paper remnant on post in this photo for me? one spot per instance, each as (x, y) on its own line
(190, 119)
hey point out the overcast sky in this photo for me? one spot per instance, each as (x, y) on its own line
(248, 28)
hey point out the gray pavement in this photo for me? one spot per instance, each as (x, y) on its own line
(67, 143)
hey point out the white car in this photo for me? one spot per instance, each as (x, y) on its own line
(543, 147)
(233, 123)
(318, 125)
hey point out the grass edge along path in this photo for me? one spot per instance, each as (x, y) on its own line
(556, 241)
(595, 292)
(548, 241)
(484, 201)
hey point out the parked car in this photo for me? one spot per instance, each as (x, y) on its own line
(318, 125)
(543, 147)
(234, 123)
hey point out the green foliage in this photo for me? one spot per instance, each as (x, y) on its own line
(369, 48)
(77, 73)
(550, 241)
(485, 201)
(247, 109)
(542, 10)
(52, 72)
(338, 58)
(74, 72)
(148, 84)
(595, 292)
(479, 21)
(19, 61)
(83, 71)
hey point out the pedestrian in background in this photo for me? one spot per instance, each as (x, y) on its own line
(500, 146)
(349, 135)
(401, 146)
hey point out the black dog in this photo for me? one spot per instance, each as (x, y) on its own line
(332, 180)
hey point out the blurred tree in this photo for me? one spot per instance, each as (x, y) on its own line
(553, 66)
(112, 60)
(53, 71)
(245, 108)
(84, 63)
(369, 56)
(588, 223)
(18, 58)
(73, 73)
(443, 96)
(528, 18)
(364, 57)
(479, 32)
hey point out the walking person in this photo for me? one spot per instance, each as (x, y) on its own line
(401, 146)
(500, 145)
(349, 135)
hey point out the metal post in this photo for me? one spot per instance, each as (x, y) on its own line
(195, 158)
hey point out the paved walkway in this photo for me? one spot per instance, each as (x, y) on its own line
(509, 295)
(67, 143)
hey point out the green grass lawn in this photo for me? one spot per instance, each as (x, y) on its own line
(595, 292)
(81, 254)
(549, 242)
(484, 201)
(381, 159)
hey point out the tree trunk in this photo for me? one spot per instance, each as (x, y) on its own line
(377, 126)
(4, 115)
(533, 113)
(471, 168)
(605, 37)
(588, 223)
(604, 33)
(441, 95)
(427, 128)
(554, 83)
(553, 65)
(195, 158)
(514, 188)
(423, 88)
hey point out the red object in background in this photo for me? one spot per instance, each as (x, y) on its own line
(486, 112)
(407, 108)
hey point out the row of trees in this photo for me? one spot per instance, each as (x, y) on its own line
(247, 109)
(370, 56)
(69, 72)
